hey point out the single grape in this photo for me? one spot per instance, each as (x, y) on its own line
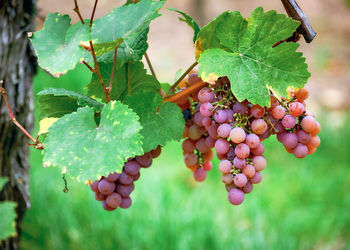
(210, 142)
(197, 119)
(105, 187)
(300, 151)
(317, 129)
(194, 132)
(94, 186)
(289, 121)
(315, 141)
(259, 162)
(290, 140)
(201, 146)
(132, 168)
(249, 170)
(265, 135)
(222, 146)
(235, 196)
(156, 152)
(200, 175)
(225, 166)
(193, 79)
(212, 131)
(190, 160)
(257, 111)
(239, 163)
(144, 160)
(188, 146)
(113, 200)
(240, 180)
(256, 178)
(242, 150)
(278, 112)
(231, 154)
(112, 177)
(302, 94)
(227, 178)
(206, 109)
(126, 203)
(207, 122)
(221, 156)
(237, 135)
(106, 207)
(220, 116)
(125, 190)
(304, 137)
(279, 128)
(206, 95)
(136, 177)
(259, 150)
(281, 135)
(259, 126)
(229, 114)
(252, 140)
(230, 186)
(248, 188)
(125, 179)
(207, 166)
(208, 156)
(224, 130)
(296, 109)
(308, 123)
(99, 197)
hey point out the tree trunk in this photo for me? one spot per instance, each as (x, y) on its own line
(17, 67)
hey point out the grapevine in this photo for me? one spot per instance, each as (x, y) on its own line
(246, 84)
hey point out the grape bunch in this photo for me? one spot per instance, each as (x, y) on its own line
(236, 130)
(115, 189)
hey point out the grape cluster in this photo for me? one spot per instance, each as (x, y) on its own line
(236, 130)
(115, 189)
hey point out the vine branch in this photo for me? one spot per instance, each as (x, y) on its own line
(182, 77)
(150, 65)
(186, 92)
(76, 9)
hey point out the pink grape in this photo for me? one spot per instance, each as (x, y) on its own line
(281, 135)
(308, 123)
(222, 146)
(207, 166)
(256, 178)
(212, 131)
(99, 197)
(278, 112)
(206, 109)
(289, 121)
(188, 146)
(259, 126)
(105, 187)
(210, 142)
(229, 114)
(237, 135)
(242, 150)
(248, 188)
(231, 154)
(224, 130)
(259, 150)
(225, 166)
(259, 163)
(113, 200)
(106, 207)
(94, 186)
(125, 179)
(190, 160)
(315, 141)
(300, 151)
(252, 140)
(248, 170)
(235, 196)
(240, 180)
(125, 190)
(290, 140)
(304, 137)
(200, 175)
(240, 108)
(112, 177)
(206, 95)
(257, 111)
(207, 122)
(296, 108)
(126, 203)
(279, 128)
(265, 135)
(144, 160)
(201, 146)
(239, 163)
(132, 168)
(197, 119)
(230, 186)
(193, 78)
(220, 116)
(227, 178)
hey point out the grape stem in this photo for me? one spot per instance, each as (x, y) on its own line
(186, 92)
(76, 9)
(150, 65)
(37, 144)
(172, 89)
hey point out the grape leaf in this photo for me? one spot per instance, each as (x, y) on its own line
(57, 45)
(190, 21)
(130, 50)
(161, 123)
(245, 54)
(139, 80)
(124, 22)
(84, 150)
(7, 219)
(56, 102)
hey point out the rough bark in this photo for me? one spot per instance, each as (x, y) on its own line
(17, 67)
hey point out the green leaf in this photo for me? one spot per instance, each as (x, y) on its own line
(86, 151)
(139, 80)
(130, 50)
(56, 102)
(247, 57)
(123, 23)
(57, 45)
(161, 122)
(3, 181)
(165, 87)
(7, 219)
(190, 21)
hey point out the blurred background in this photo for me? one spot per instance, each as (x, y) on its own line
(300, 204)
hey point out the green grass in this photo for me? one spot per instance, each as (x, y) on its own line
(300, 204)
